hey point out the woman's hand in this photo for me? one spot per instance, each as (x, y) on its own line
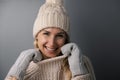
(74, 58)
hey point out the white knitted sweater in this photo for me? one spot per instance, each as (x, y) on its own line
(50, 69)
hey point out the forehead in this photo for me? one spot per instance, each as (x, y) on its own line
(53, 29)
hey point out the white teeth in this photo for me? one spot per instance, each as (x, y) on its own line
(51, 49)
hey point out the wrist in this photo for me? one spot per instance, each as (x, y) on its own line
(11, 78)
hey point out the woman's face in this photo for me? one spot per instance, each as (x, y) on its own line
(50, 41)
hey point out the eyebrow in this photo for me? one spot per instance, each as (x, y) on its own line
(61, 32)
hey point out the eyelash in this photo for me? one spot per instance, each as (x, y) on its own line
(59, 35)
(46, 33)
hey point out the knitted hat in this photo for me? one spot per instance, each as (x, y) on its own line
(51, 14)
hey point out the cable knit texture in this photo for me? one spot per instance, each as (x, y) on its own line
(51, 14)
(50, 69)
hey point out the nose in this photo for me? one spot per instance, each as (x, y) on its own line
(52, 42)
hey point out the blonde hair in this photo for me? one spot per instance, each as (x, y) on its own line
(65, 65)
(35, 43)
(66, 69)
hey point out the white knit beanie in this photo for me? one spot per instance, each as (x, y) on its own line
(51, 14)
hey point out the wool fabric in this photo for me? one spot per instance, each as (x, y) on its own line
(51, 14)
(50, 69)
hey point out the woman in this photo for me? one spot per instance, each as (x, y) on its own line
(54, 57)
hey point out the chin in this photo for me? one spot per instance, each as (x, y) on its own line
(51, 56)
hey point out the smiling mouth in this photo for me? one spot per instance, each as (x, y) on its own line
(51, 49)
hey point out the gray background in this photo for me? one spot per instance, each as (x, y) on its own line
(95, 26)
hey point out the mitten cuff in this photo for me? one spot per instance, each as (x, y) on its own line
(78, 70)
(16, 72)
(82, 77)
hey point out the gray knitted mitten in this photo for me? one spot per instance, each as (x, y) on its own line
(74, 58)
(21, 64)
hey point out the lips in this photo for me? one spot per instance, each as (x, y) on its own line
(50, 49)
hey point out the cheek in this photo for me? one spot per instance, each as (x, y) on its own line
(61, 42)
(41, 41)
